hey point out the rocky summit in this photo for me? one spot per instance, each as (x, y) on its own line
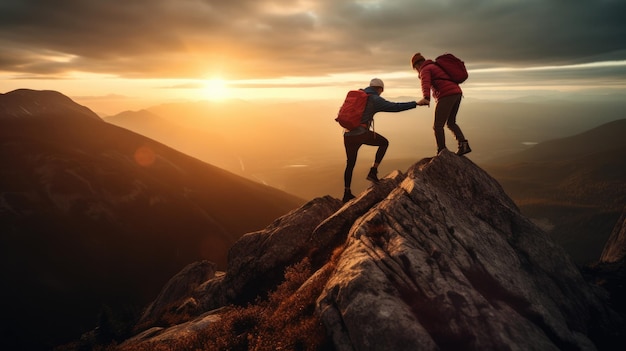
(437, 258)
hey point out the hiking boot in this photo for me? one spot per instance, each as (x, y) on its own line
(464, 148)
(372, 176)
(347, 196)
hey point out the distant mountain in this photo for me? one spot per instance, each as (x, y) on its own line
(603, 139)
(574, 186)
(133, 119)
(22, 103)
(94, 217)
(262, 141)
(194, 139)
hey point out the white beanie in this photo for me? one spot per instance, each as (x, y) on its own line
(376, 82)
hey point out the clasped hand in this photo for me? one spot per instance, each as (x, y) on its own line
(423, 102)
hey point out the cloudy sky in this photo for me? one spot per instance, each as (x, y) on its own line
(303, 48)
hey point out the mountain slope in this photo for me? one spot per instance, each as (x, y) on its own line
(604, 138)
(93, 215)
(439, 258)
(207, 144)
(575, 186)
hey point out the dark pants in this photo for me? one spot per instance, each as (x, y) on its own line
(353, 143)
(445, 114)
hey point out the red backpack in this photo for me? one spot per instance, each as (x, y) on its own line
(453, 66)
(351, 111)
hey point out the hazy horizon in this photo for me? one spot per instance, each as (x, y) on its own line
(278, 143)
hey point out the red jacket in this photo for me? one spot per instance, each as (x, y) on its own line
(435, 78)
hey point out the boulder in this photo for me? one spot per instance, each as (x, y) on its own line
(176, 295)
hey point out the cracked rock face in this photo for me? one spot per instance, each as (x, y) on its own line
(447, 262)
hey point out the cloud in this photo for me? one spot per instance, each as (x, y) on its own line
(249, 39)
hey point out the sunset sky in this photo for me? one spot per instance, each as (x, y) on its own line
(133, 53)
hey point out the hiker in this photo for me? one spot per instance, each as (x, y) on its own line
(447, 95)
(353, 139)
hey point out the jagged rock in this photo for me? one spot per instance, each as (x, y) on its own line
(257, 260)
(446, 261)
(158, 335)
(610, 271)
(334, 230)
(175, 295)
(437, 259)
(615, 248)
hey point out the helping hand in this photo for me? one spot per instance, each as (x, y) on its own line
(424, 102)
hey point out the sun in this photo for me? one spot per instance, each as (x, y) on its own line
(216, 89)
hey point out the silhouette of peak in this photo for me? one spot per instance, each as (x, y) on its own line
(41, 103)
(437, 258)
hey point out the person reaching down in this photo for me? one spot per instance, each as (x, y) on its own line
(447, 94)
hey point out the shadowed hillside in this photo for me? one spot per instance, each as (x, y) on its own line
(607, 138)
(94, 216)
(574, 187)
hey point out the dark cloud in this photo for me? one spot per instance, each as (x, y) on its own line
(253, 39)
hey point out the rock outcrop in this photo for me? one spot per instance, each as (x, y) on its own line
(439, 258)
(615, 248)
(610, 271)
(447, 262)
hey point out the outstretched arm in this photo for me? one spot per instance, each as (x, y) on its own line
(382, 105)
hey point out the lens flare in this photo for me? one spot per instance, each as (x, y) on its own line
(144, 156)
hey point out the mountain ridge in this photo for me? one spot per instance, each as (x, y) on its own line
(603, 138)
(22, 103)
